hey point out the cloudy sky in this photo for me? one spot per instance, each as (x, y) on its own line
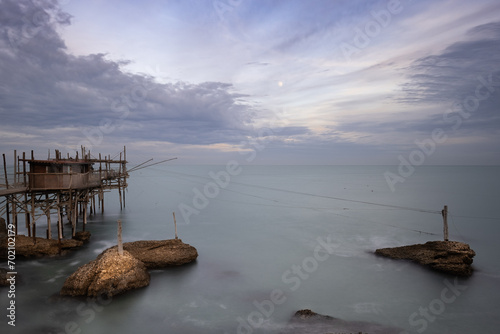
(266, 82)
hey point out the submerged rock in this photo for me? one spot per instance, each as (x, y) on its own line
(110, 274)
(309, 322)
(451, 257)
(161, 253)
(83, 236)
(26, 247)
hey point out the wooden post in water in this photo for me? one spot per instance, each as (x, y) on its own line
(47, 214)
(25, 183)
(120, 242)
(119, 183)
(33, 220)
(444, 213)
(15, 167)
(175, 224)
(5, 172)
(59, 218)
(85, 211)
(7, 187)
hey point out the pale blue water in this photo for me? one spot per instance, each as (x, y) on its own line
(267, 221)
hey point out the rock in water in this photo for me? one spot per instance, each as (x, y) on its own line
(452, 257)
(83, 236)
(110, 274)
(161, 253)
(309, 322)
(25, 247)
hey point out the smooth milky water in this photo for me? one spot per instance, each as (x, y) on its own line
(276, 239)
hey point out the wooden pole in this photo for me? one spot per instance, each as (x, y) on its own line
(14, 212)
(15, 167)
(85, 211)
(7, 198)
(124, 171)
(47, 213)
(175, 225)
(5, 172)
(33, 221)
(120, 241)
(24, 169)
(444, 213)
(7, 214)
(75, 214)
(59, 218)
(18, 170)
(119, 183)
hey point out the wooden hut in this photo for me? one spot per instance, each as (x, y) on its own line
(61, 174)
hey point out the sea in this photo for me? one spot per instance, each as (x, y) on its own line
(276, 239)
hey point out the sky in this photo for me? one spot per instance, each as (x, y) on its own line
(260, 82)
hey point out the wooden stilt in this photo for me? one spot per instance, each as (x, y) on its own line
(33, 221)
(7, 210)
(120, 242)
(175, 225)
(444, 213)
(85, 213)
(102, 200)
(75, 216)
(15, 168)
(49, 232)
(14, 213)
(47, 214)
(59, 218)
(5, 172)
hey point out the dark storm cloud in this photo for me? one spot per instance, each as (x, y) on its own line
(460, 85)
(43, 87)
(455, 73)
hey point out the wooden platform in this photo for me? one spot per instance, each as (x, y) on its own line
(13, 191)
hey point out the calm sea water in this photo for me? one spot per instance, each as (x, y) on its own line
(275, 239)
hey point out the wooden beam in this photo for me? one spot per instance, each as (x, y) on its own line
(444, 213)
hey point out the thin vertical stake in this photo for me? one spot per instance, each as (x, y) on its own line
(444, 213)
(120, 243)
(175, 225)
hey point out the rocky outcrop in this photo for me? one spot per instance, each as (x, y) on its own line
(451, 257)
(161, 253)
(109, 274)
(25, 247)
(309, 322)
(112, 274)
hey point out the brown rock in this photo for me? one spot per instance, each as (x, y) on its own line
(109, 274)
(452, 257)
(83, 236)
(25, 247)
(161, 253)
